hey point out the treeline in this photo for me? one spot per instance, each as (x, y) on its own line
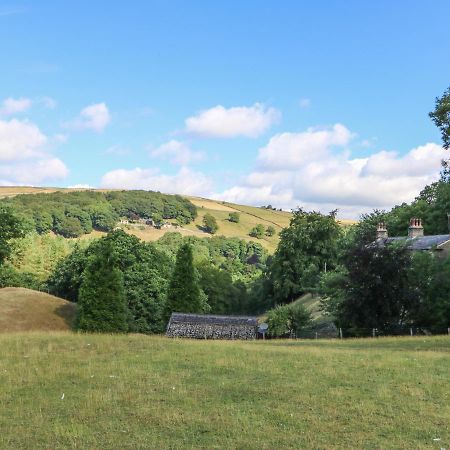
(223, 268)
(365, 285)
(72, 214)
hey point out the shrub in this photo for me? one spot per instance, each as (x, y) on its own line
(210, 224)
(258, 231)
(234, 217)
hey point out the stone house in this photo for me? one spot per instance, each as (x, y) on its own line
(205, 326)
(416, 241)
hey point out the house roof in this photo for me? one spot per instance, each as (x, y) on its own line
(213, 319)
(418, 242)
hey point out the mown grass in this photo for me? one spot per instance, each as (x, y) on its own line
(131, 392)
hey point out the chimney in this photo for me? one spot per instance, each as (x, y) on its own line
(382, 232)
(415, 228)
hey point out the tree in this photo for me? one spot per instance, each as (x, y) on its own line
(11, 228)
(258, 231)
(210, 224)
(184, 294)
(270, 230)
(234, 217)
(287, 320)
(101, 305)
(441, 117)
(376, 290)
(306, 248)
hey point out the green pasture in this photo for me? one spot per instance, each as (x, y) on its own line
(63, 390)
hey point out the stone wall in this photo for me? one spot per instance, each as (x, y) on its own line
(211, 331)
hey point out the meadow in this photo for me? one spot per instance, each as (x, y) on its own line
(65, 390)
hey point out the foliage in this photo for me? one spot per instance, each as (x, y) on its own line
(234, 217)
(72, 214)
(429, 279)
(101, 305)
(11, 228)
(441, 117)
(224, 295)
(374, 290)
(210, 224)
(184, 293)
(145, 270)
(307, 247)
(287, 320)
(11, 277)
(270, 231)
(243, 260)
(257, 231)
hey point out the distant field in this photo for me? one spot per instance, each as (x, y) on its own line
(26, 310)
(63, 391)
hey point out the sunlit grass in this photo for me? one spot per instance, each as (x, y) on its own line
(136, 391)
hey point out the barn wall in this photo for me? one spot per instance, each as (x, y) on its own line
(206, 331)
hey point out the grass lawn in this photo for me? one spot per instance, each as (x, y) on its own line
(63, 390)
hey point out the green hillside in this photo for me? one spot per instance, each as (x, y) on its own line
(250, 216)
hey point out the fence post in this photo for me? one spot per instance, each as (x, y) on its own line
(411, 331)
(340, 333)
(448, 330)
(316, 334)
(373, 332)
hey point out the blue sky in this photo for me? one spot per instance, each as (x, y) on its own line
(318, 104)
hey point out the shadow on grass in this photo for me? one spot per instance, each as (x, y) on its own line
(66, 312)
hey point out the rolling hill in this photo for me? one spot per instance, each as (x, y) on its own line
(249, 217)
(26, 310)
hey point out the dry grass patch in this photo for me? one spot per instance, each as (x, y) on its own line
(26, 310)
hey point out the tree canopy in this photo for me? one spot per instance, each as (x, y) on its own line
(306, 248)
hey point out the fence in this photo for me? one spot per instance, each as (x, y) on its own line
(342, 333)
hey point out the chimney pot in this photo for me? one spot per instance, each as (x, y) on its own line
(382, 232)
(415, 228)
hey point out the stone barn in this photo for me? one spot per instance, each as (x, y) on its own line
(203, 326)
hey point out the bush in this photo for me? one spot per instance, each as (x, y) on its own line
(270, 231)
(287, 320)
(210, 224)
(234, 217)
(258, 231)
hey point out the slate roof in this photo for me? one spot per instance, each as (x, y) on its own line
(213, 319)
(418, 242)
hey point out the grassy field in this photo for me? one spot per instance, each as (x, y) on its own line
(62, 390)
(23, 310)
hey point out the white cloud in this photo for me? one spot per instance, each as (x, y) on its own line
(33, 172)
(177, 153)
(185, 181)
(11, 106)
(24, 155)
(93, 117)
(81, 186)
(290, 150)
(315, 170)
(220, 122)
(20, 140)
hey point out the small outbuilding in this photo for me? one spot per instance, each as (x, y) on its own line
(205, 326)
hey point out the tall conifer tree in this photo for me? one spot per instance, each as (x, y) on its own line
(184, 294)
(101, 304)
